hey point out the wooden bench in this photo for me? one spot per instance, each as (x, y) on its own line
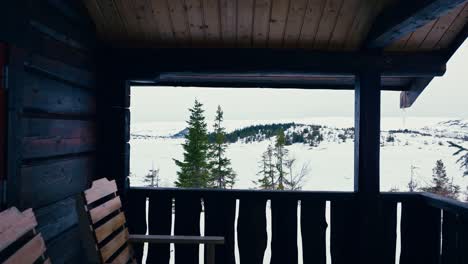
(104, 224)
(19, 241)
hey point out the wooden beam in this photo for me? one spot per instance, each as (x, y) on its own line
(417, 86)
(405, 17)
(366, 165)
(138, 64)
(367, 133)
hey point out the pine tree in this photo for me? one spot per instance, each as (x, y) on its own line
(441, 183)
(221, 173)
(463, 158)
(267, 171)
(152, 178)
(281, 155)
(194, 170)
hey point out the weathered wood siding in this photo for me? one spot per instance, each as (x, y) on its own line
(52, 119)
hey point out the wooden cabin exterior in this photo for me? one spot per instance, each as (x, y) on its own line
(66, 67)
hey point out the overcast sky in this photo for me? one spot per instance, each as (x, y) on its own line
(445, 96)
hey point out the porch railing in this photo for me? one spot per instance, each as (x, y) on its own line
(433, 229)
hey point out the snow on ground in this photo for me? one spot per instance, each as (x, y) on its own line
(331, 162)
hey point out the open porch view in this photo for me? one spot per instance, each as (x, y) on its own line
(66, 73)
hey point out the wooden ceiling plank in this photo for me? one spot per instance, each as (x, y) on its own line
(160, 14)
(245, 11)
(279, 14)
(404, 17)
(359, 23)
(179, 21)
(454, 29)
(128, 15)
(262, 12)
(294, 23)
(327, 23)
(93, 9)
(117, 28)
(439, 29)
(418, 36)
(228, 22)
(212, 21)
(400, 44)
(196, 21)
(146, 20)
(312, 19)
(343, 24)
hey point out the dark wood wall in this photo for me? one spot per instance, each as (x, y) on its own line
(52, 117)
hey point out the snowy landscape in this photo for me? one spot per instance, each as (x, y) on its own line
(410, 147)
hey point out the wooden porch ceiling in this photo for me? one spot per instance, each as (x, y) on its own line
(311, 24)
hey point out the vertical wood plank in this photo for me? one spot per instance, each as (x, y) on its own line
(228, 15)
(160, 14)
(245, 10)
(179, 21)
(388, 227)
(420, 234)
(251, 231)
(279, 14)
(159, 223)
(135, 211)
(358, 26)
(187, 223)
(261, 23)
(196, 23)
(312, 19)
(343, 23)
(294, 23)
(284, 231)
(343, 233)
(212, 21)
(219, 221)
(327, 23)
(313, 228)
(450, 248)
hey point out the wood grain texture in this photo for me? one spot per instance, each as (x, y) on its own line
(124, 257)
(261, 23)
(105, 209)
(179, 21)
(161, 17)
(29, 253)
(14, 224)
(455, 28)
(278, 18)
(245, 12)
(99, 189)
(228, 17)
(294, 23)
(344, 20)
(194, 10)
(66, 177)
(327, 23)
(212, 22)
(56, 218)
(313, 15)
(112, 246)
(45, 137)
(103, 231)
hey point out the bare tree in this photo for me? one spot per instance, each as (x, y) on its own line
(296, 179)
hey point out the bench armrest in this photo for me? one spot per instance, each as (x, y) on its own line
(176, 239)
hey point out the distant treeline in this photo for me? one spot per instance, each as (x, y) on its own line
(294, 133)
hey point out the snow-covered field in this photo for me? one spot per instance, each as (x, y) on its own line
(331, 162)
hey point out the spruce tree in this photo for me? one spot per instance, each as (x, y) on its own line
(267, 171)
(441, 183)
(221, 173)
(281, 155)
(193, 170)
(152, 178)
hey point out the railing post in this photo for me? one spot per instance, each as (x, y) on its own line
(366, 163)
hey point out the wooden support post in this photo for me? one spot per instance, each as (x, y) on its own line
(366, 163)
